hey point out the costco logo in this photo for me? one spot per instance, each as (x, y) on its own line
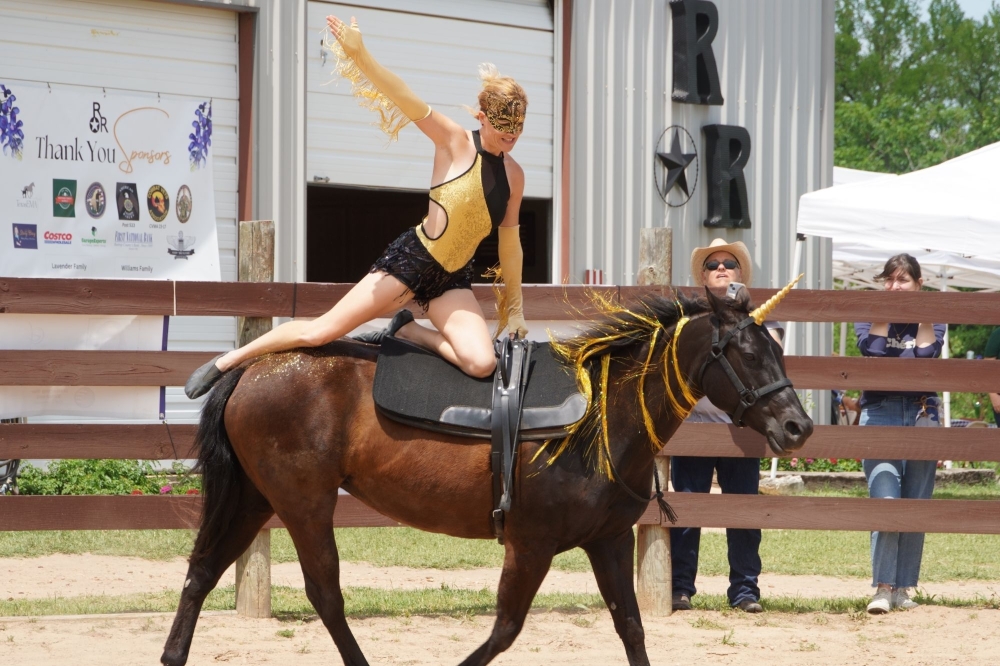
(57, 238)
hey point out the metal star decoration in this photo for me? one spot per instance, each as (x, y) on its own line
(675, 162)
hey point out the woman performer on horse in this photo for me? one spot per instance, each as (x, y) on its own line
(476, 186)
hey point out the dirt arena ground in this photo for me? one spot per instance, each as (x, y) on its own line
(927, 635)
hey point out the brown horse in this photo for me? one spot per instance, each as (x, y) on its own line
(285, 432)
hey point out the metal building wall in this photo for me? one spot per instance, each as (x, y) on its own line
(775, 61)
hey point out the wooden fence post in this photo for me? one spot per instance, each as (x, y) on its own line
(253, 568)
(654, 586)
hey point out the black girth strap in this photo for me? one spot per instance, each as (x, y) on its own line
(508, 395)
(748, 397)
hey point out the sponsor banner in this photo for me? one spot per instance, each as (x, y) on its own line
(105, 185)
(86, 333)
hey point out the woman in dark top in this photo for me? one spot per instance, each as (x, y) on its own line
(476, 188)
(896, 555)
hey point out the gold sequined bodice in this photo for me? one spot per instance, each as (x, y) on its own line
(468, 218)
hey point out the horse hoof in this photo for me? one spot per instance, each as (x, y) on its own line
(203, 379)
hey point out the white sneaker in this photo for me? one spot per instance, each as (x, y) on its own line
(881, 603)
(901, 599)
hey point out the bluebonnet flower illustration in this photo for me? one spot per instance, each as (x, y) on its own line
(201, 137)
(11, 134)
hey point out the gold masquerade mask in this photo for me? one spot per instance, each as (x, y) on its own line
(505, 116)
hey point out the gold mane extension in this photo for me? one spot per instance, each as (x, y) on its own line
(679, 410)
(760, 314)
(617, 324)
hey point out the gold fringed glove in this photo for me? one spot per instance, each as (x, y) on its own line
(376, 88)
(511, 264)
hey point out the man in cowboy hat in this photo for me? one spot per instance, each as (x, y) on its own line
(715, 267)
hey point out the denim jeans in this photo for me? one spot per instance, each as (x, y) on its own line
(896, 555)
(740, 476)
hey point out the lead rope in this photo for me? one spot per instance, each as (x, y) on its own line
(665, 510)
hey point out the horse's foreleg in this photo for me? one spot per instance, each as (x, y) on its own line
(612, 562)
(206, 567)
(312, 532)
(524, 569)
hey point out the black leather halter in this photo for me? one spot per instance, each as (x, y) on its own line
(748, 396)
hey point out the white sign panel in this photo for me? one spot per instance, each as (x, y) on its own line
(82, 332)
(105, 185)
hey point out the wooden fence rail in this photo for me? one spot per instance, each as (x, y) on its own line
(157, 368)
(163, 442)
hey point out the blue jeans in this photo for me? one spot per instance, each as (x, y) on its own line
(896, 555)
(739, 476)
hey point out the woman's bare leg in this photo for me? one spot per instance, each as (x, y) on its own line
(462, 336)
(368, 299)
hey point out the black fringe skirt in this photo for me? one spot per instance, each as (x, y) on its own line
(407, 260)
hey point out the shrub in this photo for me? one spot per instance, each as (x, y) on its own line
(105, 477)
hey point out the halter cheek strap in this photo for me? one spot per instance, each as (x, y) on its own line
(748, 397)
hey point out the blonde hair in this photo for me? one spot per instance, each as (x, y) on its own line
(497, 87)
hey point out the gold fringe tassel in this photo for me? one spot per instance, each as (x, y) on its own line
(500, 295)
(391, 118)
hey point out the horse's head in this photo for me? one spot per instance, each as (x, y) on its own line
(743, 373)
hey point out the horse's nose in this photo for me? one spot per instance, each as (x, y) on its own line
(797, 431)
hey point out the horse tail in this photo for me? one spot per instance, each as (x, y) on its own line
(221, 474)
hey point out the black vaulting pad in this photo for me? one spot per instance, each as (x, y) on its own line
(419, 388)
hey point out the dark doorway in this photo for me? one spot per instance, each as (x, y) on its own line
(348, 228)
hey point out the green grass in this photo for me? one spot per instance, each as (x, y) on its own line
(292, 604)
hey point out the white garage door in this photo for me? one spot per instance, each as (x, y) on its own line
(436, 49)
(149, 49)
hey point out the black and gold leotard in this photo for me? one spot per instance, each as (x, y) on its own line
(474, 204)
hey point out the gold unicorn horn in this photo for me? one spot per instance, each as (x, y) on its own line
(761, 313)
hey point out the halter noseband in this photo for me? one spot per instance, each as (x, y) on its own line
(748, 397)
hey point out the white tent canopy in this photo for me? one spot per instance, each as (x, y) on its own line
(947, 216)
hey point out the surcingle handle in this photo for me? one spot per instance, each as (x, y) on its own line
(760, 314)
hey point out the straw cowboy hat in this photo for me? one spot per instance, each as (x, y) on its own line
(737, 249)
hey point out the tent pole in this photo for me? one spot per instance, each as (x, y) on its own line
(945, 354)
(800, 240)
(843, 339)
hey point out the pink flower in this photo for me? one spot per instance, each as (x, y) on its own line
(165, 489)
(794, 463)
(809, 461)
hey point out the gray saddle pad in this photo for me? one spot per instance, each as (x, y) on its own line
(419, 388)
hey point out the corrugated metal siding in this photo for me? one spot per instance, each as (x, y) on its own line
(438, 57)
(145, 48)
(775, 68)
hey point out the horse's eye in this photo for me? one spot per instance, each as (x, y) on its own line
(749, 357)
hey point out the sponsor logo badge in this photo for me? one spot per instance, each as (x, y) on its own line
(181, 246)
(25, 236)
(63, 198)
(95, 200)
(27, 198)
(158, 203)
(93, 240)
(128, 201)
(133, 240)
(57, 238)
(184, 204)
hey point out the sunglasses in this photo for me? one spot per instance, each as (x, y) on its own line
(729, 264)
